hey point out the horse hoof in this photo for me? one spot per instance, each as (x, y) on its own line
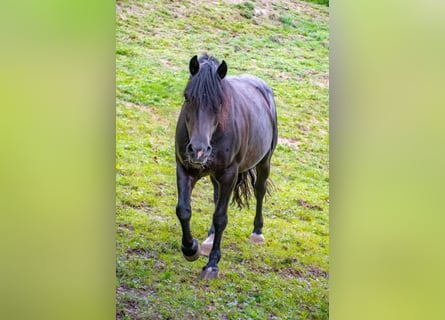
(207, 245)
(193, 253)
(209, 273)
(257, 238)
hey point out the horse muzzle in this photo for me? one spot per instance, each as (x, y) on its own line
(198, 153)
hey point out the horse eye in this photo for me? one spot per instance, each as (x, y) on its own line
(186, 97)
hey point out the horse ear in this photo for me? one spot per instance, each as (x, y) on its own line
(222, 70)
(194, 65)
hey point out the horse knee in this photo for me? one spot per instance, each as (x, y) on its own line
(183, 212)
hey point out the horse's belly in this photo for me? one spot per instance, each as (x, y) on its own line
(257, 149)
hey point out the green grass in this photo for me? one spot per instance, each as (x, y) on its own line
(284, 42)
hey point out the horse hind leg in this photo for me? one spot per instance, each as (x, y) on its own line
(262, 172)
(207, 244)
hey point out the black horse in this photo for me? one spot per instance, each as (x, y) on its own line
(227, 129)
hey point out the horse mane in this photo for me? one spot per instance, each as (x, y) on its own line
(205, 88)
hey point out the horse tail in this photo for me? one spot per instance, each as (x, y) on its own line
(245, 186)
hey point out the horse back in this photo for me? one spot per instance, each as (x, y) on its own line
(250, 86)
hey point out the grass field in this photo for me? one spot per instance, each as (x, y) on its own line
(284, 42)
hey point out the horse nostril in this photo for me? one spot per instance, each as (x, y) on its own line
(189, 148)
(209, 149)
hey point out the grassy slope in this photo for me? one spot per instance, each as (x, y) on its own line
(287, 277)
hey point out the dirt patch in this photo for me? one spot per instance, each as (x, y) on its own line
(125, 226)
(141, 206)
(291, 272)
(232, 246)
(131, 302)
(307, 205)
(321, 80)
(289, 142)
(125, 10)
(292, 268)
(150, 110)
(309, 272)
(139, 107)
(317, 273)
(142, 253)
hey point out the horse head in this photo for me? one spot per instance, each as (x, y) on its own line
(204, 97)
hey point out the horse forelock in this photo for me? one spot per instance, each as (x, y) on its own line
(205, 89)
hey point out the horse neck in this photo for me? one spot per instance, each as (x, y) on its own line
(226, 114)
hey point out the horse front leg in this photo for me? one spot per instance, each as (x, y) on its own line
(226, 183)
(185, 183)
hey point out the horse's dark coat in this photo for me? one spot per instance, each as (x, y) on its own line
(227, 129)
